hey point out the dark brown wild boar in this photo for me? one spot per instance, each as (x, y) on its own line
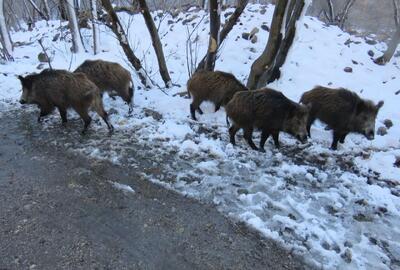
(215, 86)
(268, 110)
(343, 111)
(110, 77)
(63, 90)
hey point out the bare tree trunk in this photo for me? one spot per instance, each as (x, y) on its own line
(5, 36)
(144, 9)
(394, 42)
(63, 10)
(273, 73)
(73, 25)
(123, 41)
(46, 8)
(214, 38)
(228, 26)
(96, 33)
(265, 60)
(345, 12)
(396, 13)
(35, 7)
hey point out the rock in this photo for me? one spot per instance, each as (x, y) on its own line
(156, 115)
(170, 22)
(397, 92)
(370, 41)
(112, 111)
(354, 62)
(346, 255)
(42, 57)
(397, 162)
(362, 202)
(227, 14)
(56, 37)
(262, 11)
(254, 39)
(253, 50)
(265, 27)
(382, 131)
(363, 218)
(371, 53)
(242, 191)
(254, 31)
(388, 123)
(348, 69)
(246, 36)
(40, 66)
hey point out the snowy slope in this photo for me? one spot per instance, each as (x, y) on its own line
(341, 210)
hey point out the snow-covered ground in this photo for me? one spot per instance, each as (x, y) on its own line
(341, 210)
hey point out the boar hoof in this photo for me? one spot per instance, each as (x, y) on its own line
(262, 150)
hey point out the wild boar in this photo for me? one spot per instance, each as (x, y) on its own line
(268, 110)
(63, 90)
(343, 111)
(110, 77)
(215, 86)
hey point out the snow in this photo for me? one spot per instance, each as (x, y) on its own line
(123, 187)
(321, 204)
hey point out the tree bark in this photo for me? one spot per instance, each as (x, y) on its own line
(46, 8)
(95, 27)
(273, 72)
(228, 26)
(214, 31)
(116, 27)
(265, 60)
(63, 10)
(144, 9)
(73, 25)
(393, 43)
(35, 7)
(5, 36)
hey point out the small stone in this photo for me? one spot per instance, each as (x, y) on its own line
(348, 244)
(362, 202)
(388, 123)
(346, 255)
(56, 37)
(170, 22)
(397, 162)
(362, 218)
(348, 69)
(397, 92)
(254, 39)
(265, 27)
(254, 31)
(382, 131)
(253, 50)
(262, 11)
(246, 36)
(42, 57)
(370, 41)
(354, 62)
(242, 191)
(228, 14)
(371, 53)
(112, 111)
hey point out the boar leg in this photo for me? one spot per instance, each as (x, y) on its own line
(43, 112)
(310, 121)
(63, 114)
(83, 113)
(342, 138)
(275, 136)
(199, 110)
(217, 107)
(232, 132)
(103, 114)
(264, 137)
(248, 134)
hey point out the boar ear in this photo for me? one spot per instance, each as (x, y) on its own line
(379, 105)
(21, 78)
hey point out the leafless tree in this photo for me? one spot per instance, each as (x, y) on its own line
(73, 25)
(392, 45)
(266, 68)
(119, 32)
(144, 9)
(46, 8)
(5, 35)
(37, 9)
(336, 15)
(215, 21)
(95, 27)
(228, 26)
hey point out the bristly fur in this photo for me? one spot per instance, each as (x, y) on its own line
(62, 89)
(268, 110)
(109, 77)
(342, 110)
(215, 86)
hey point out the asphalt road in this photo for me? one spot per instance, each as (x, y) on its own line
(58, 210)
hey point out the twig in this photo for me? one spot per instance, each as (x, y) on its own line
(45, 53)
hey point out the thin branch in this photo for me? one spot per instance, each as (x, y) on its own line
(45, 53)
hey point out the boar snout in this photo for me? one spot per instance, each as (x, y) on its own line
(370, 135)
(302, 138)
(22, 101)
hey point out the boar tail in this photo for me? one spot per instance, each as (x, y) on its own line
(227, 121)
